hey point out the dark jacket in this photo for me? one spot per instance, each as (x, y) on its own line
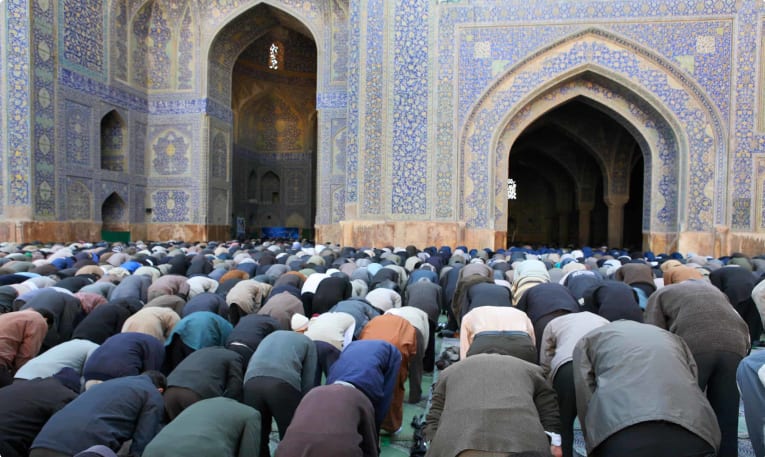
(67, 310)
(200, 265)
(613, 300)
(179, 264)
(212, 427)
(372, 367)
(426, 296)
(332, 420)
(544, 299)
(329, 292)
(75, 283)
(578, 282)
(106, 320)
(285, 355)
(206, 301)
(124, 354)
(24, 408)
(109, 413)
(486, 294)
(210, 372)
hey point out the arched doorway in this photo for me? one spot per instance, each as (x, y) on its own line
(676, 127)
(273, 100)
(114, 219)
(580, 150)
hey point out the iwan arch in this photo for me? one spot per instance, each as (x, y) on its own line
(385, 122)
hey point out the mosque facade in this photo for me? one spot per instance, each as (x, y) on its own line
(376, 122)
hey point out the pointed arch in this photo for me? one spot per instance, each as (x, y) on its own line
(113, 139)
(113, 211)
(678, 128)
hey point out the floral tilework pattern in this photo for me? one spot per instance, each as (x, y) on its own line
(78, 125)
(44, 106)
(745, 98)
(120, 57)
(352, 145)
(171, 206)
(139, 36)
(171, 149)
(3, 104)
(410, 109)
(81, 35)
(79, 199)
(161, 34)
(139, 148)
(17, 54)
(372, 202)
(219, 156)
(339, 60)
(186, 52)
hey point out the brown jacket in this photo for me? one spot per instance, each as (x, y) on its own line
(169, 285)
(282, 307)
(21, 336)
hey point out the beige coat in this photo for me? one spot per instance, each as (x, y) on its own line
(154, 321)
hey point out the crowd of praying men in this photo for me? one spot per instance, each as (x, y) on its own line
(175, 349)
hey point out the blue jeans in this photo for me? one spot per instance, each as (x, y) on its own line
(753, 395)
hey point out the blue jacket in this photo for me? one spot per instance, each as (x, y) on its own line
(372, 367)
(201, 329)
(109, 413)
(124, 354)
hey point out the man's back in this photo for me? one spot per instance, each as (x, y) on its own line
(491, 402)
(212, 427)
(24, 408)
(109, 413)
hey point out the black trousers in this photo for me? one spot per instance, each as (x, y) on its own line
(654, 439)
(563, 383)
(175, 352)
(6, 377)
(177, 399)
(717, 375)
(748, 311)
(274, 398)
(429, 360)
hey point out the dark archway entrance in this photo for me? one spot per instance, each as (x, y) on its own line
(576, 169)
(273, 99)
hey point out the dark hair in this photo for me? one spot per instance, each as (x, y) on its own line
(49, 317)
(157, 378)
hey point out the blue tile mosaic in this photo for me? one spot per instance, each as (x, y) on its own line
(44, 108)
(18, 95)
(78, 133)
(409, 152)
(82, 36)
(372, 174)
